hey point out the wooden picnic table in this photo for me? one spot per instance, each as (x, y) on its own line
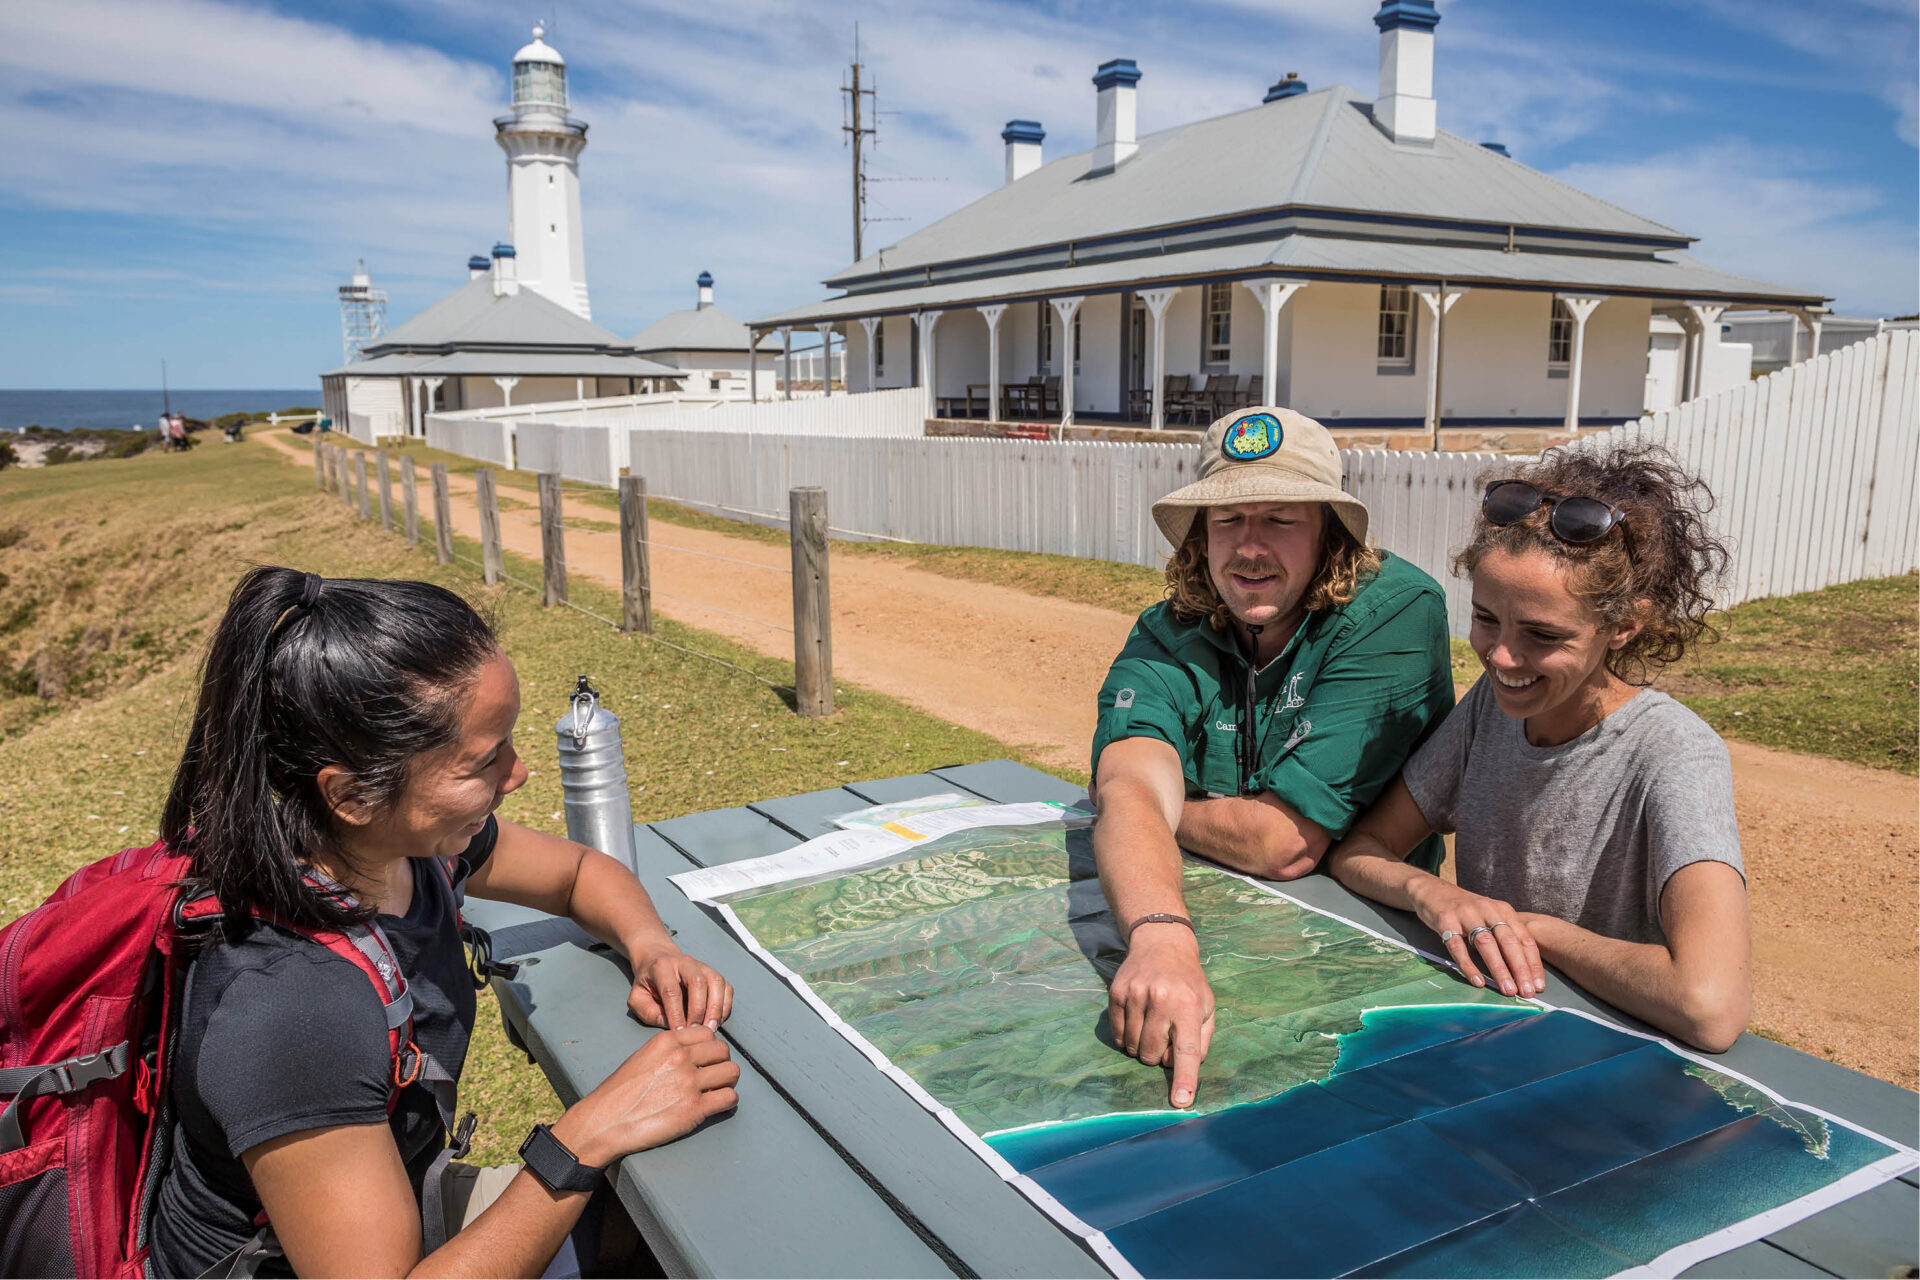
(828, 1169)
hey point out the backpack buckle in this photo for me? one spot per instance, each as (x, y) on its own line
(75, 1074)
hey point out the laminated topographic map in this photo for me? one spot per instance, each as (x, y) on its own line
(1362, 1111)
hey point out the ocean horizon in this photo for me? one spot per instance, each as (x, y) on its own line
(139, 407)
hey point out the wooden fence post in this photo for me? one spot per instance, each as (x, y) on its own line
(491, 568)
(553, 541)
(442, 516)
(812, 623)
(325, 449)
(385, 468)
(360, 481)
(319, 466)
(411, 498)
(342, 479)
(636, 573)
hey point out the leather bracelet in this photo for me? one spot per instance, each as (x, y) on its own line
(1159, 917)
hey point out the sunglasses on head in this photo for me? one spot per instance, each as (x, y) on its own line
(1571, 519)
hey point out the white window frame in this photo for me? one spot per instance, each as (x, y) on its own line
(1393, 343)
(1216, 324)
(1559, 337)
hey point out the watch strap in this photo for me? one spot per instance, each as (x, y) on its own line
(548, 1159)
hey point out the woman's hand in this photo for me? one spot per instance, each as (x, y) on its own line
(1483, 929)
(671, 989)
(663, 1091)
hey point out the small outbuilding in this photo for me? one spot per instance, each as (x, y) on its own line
(706, 343)
(487, 344)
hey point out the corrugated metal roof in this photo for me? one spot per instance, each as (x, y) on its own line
(473, 316)
(1312, 150)
(505, 364)
(1673, 276)
(696, 329)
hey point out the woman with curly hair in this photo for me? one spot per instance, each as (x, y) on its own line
(1593, 817)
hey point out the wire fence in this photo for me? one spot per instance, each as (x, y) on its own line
(533, 589)
(655, 639)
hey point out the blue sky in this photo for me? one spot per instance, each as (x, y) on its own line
(191, 179)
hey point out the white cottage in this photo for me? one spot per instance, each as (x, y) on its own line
(1324, 249)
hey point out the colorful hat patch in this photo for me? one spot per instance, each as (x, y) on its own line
(1254, 436)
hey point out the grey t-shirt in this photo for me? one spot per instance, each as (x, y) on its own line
(1590, 830)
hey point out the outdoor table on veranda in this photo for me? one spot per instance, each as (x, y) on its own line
(828, 1169)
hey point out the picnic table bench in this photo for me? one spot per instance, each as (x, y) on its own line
(828, 1169)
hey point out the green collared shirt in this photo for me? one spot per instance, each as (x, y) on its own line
(1333, 718)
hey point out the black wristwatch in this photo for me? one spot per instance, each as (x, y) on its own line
(550, 1161)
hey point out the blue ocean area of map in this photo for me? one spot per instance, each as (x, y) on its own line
(1450, 1140)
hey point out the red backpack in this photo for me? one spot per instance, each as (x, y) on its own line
(90, 988)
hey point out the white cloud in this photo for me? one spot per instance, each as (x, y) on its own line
(267, 152)
(1768, 214)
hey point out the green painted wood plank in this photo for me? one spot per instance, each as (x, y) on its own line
(811, 814)
(1877, 1233)
(1011, 782)
(725, 835)
(754, 1193)
(911, 787)
(992, 1227)
(1756, 1261)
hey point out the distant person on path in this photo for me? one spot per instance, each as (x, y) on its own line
(166, 433)
(352, 742)
(177, 432)
(1593, 817)
(1257, 711)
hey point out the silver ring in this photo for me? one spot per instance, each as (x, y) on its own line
(1499, 924)
(1449, 935)
(1477, 930)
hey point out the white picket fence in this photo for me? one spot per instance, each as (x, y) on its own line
(897, 413)
(1815, 469)
(483, 439)
(579, 453)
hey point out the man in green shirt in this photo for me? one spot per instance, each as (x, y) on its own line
(1255, 713)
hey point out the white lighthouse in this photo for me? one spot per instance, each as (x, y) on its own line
(543, 143)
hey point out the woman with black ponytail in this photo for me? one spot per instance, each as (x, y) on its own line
(352, 740)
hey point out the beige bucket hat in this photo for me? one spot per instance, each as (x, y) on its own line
(1263, 454)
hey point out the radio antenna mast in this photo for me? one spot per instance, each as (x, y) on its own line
(857, 134)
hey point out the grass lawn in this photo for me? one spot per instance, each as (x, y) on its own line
(1830, 672)
(115, 572)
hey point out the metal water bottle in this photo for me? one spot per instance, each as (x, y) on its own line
(593, 776)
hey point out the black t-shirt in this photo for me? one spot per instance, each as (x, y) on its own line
(281, 1035)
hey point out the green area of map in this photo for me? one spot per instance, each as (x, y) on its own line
(980, 965)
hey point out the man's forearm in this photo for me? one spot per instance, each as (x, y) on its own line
(1260, 835)
(1134, 848)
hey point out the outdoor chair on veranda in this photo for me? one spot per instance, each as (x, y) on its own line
(1050, 398)
(1222, 393)
(1019, 399)
(1253, 393)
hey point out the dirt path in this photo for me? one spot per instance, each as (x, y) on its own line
(1832, 849)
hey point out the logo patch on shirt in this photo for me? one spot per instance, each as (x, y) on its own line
(1123, 699)
(1254, 436)
(1294, 699)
